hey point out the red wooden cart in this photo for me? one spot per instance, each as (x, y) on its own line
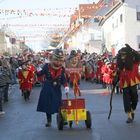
(73, 110)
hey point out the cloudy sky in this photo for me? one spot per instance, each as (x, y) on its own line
(37, 4)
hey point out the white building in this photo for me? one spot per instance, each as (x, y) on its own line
(10, 45)
(93, 36)
(122, 25)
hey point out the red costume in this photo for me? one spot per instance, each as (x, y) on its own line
(25, 79)
(128, 76)
(107, 74)
(89, 72)
(98, 72)
(32, 68)
(73, 70)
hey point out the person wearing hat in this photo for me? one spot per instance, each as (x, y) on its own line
(25, 77)
(73, 68)
(51, 95)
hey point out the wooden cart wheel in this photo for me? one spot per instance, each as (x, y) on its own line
(60, 121)
(88, 121)
(70, 124)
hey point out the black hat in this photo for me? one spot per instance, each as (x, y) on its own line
(58, 54)
(73, 53)
(24, 63)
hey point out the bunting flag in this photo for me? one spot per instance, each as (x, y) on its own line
(37, 12)
(84, 10)
(6, 14)
(37, 25)
(76, 88)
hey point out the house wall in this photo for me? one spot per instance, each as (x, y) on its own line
(116, 32)
(89, 38)
(3, 44)
(132, 25)
(7, 46)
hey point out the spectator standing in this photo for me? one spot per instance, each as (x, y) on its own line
(4, 79)
(14, 66)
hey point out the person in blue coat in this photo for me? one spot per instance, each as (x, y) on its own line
(51, 95)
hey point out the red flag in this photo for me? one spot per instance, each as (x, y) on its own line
(76, 88)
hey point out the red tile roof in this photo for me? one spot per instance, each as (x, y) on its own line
(87, 10)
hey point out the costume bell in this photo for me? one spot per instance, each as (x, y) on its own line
(51, 94)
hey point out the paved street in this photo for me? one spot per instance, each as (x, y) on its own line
(22, 122)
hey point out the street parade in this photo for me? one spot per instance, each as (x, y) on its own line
(83, 81)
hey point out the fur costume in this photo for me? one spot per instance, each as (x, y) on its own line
(128, 62)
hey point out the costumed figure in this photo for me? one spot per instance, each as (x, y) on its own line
(39, 79)
(74, 69)
(25, 77)
(89, 69)
(98, 74)
(128, 77)
(107, 73)
(51, 95)
(32, 68)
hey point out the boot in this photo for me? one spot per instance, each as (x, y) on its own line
(133, 114)
(48, 124)
(129, 120)
(49, 120)
(28, 95)
(24, 95)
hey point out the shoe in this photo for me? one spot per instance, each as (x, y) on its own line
(48, 124)
(65, 123)
(133, 116)
(2, 112)
(129, 120)
(5, 100)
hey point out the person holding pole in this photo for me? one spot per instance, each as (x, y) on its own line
(128, 76)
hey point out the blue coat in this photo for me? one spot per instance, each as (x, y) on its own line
(51, 95)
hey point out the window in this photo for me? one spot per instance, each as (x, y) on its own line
(138, 12)
(92, 36)
(96, 36)
(139, 45)
(138, 15)
(121, 18)
(96, 20)
(116, 23)
(138, 40)
(112, 25)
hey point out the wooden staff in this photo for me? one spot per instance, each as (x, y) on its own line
(111, 95)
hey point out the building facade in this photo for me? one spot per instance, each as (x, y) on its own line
(122, 25)
(10, 45)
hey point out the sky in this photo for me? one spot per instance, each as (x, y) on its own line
(36, 33)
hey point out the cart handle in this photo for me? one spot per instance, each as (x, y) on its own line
(67, 95)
